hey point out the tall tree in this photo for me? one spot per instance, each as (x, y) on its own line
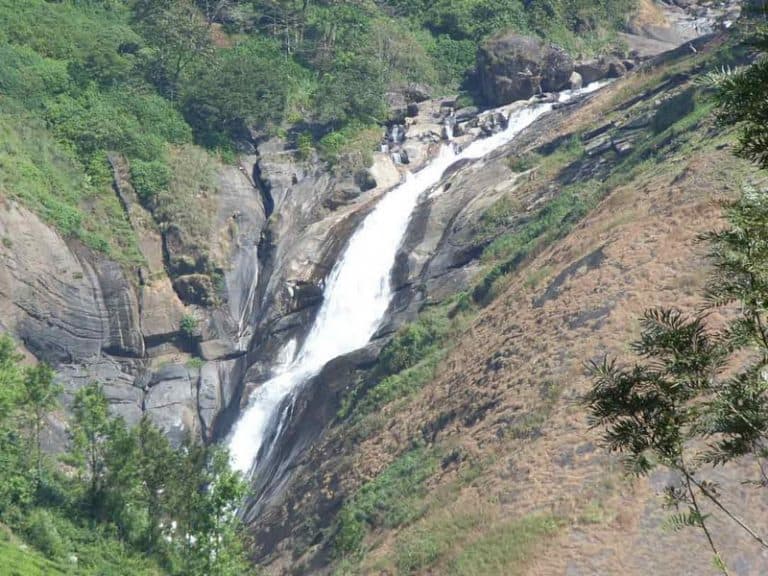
(205, 494)
(39, 395)
(157, 464)
(89, 432)
(179, 36)
(15, 487)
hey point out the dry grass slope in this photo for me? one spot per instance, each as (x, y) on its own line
(531, 456)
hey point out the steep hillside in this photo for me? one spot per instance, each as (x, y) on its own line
(179, 180)
(465, 449)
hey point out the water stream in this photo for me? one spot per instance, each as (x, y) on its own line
(358, 290)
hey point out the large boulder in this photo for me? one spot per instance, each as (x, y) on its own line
(599, 69)
(512, 67)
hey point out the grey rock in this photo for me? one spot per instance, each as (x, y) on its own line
(397, 106)
(218, 350)
(65, 305)
(171, 402)
(464, 114)
(513, 67)
(219, 385)
(592, 70)
(125, 399)
(365, 180)
(122, 309)
(161, 311)
(575, 82)
(418, 92)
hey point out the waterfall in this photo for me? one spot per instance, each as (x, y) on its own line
(243, 329)
(358, 290)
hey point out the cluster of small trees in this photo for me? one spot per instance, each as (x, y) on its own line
(697, 398)
(173, 506)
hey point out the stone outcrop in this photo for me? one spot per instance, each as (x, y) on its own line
(512, 67)
(63, 303)
(171, 401)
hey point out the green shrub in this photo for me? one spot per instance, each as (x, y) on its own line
(509, 250)
(26, 75)
(25, 561)
(190, 326)
(304, 145)
(331, 145)
(521, 163)
(150, 178)
(407, 348)
(393, 498)
(43, 533)
(396, 386)
(420, 548)
(506, 549)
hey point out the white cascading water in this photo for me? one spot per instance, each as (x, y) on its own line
(358, 290)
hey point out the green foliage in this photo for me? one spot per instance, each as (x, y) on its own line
(190, 326)
(412, 343)
(410, 359)
(521, 163)
(179, 38)
(350, 148)
(551, 222)
(25, 561)
(42, 532)
(41, 173)
(304, 145)
(89, 432)
(436, 539)
(188, 201)
(74, 67)
(240, 86)
(741, 103)
(150, 178)
(506, 549)
(393, 498)
(114, 77)
(136, 506)
(38, 396)
(353, 90)
(205, 495)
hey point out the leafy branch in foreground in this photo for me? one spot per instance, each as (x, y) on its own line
(697, 397)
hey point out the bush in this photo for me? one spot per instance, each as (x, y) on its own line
(393, 498)
(304, 145)
(190, 326)
(241, 86)
(408, 347)
(43, 533)
(150, 178)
